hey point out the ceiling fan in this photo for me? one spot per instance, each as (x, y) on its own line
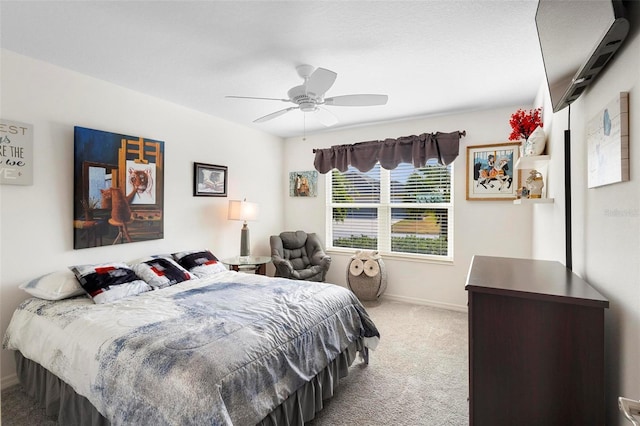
(309, 96)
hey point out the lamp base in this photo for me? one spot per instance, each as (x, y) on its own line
(244, 241)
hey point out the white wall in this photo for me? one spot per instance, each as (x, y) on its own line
(606, 220)
(36, 232)
(497, 228)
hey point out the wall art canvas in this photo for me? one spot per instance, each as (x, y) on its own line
(608, 144)
(303, 184)
(16, 153)
(491, 173)
(118, 188)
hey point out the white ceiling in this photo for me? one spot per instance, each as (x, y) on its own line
(431, 57)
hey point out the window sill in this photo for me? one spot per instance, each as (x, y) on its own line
(395, 256)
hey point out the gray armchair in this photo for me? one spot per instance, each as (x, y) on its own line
(299, 256)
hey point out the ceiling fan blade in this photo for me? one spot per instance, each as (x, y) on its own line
(326, 117)
(253, 97)
(357, 100)
(273, 115)
(319, 82)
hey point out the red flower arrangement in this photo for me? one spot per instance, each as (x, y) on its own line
(524, 123)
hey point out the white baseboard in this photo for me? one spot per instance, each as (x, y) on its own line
(9, 381)
(425, 302)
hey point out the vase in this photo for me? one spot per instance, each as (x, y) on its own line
(535, 143)
(535, 184)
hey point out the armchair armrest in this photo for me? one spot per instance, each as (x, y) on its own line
(321, 258)
(283, 266)
(317, 254)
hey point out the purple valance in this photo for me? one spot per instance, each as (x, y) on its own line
(390, 152)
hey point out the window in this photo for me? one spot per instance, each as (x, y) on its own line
(406, 211)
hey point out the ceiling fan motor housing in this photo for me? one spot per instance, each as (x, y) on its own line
(299, 96)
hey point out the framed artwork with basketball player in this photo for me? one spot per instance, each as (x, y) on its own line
(491, 173)
(118, 188)
(209, 180)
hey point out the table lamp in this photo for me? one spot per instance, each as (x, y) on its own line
(243, 210)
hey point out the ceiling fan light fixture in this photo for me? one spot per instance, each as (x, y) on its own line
(308, 106)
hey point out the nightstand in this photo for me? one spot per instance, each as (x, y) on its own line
(256, 264)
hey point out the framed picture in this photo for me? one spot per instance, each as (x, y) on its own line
(303, 184)
(209, 180)
(491, 173)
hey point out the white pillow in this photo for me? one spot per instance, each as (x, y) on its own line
(54, 286)
(536, 142)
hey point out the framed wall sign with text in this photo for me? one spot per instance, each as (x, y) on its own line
(16, 153)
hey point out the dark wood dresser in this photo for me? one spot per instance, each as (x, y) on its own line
(536, 345)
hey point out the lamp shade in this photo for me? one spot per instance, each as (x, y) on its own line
(242, 210)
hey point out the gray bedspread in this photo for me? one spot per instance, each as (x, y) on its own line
(216, 351)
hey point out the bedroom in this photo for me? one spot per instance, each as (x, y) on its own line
(35, 237)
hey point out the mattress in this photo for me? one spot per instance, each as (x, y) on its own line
(225, 349)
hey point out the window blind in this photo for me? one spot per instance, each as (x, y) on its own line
(406, 210)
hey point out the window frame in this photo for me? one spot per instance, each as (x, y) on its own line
(384, 207)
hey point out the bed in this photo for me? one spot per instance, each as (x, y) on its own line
(224, 348)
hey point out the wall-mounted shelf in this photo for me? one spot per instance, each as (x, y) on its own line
(533, 162)
(522, 201)
(541, 164)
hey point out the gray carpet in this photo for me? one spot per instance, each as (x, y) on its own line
(417, 376)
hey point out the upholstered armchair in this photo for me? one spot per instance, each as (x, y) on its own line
(300, 256)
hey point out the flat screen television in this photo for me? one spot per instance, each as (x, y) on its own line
(577, 40)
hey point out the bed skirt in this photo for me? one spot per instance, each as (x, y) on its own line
(59, 399)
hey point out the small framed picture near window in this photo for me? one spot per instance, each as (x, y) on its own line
(491, 173)
(209, 180)
(303, 184)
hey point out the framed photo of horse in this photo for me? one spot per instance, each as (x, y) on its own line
(303, 184)
(209, 180)
(491, 172)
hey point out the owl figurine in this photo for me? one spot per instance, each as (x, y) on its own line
(367, 275)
